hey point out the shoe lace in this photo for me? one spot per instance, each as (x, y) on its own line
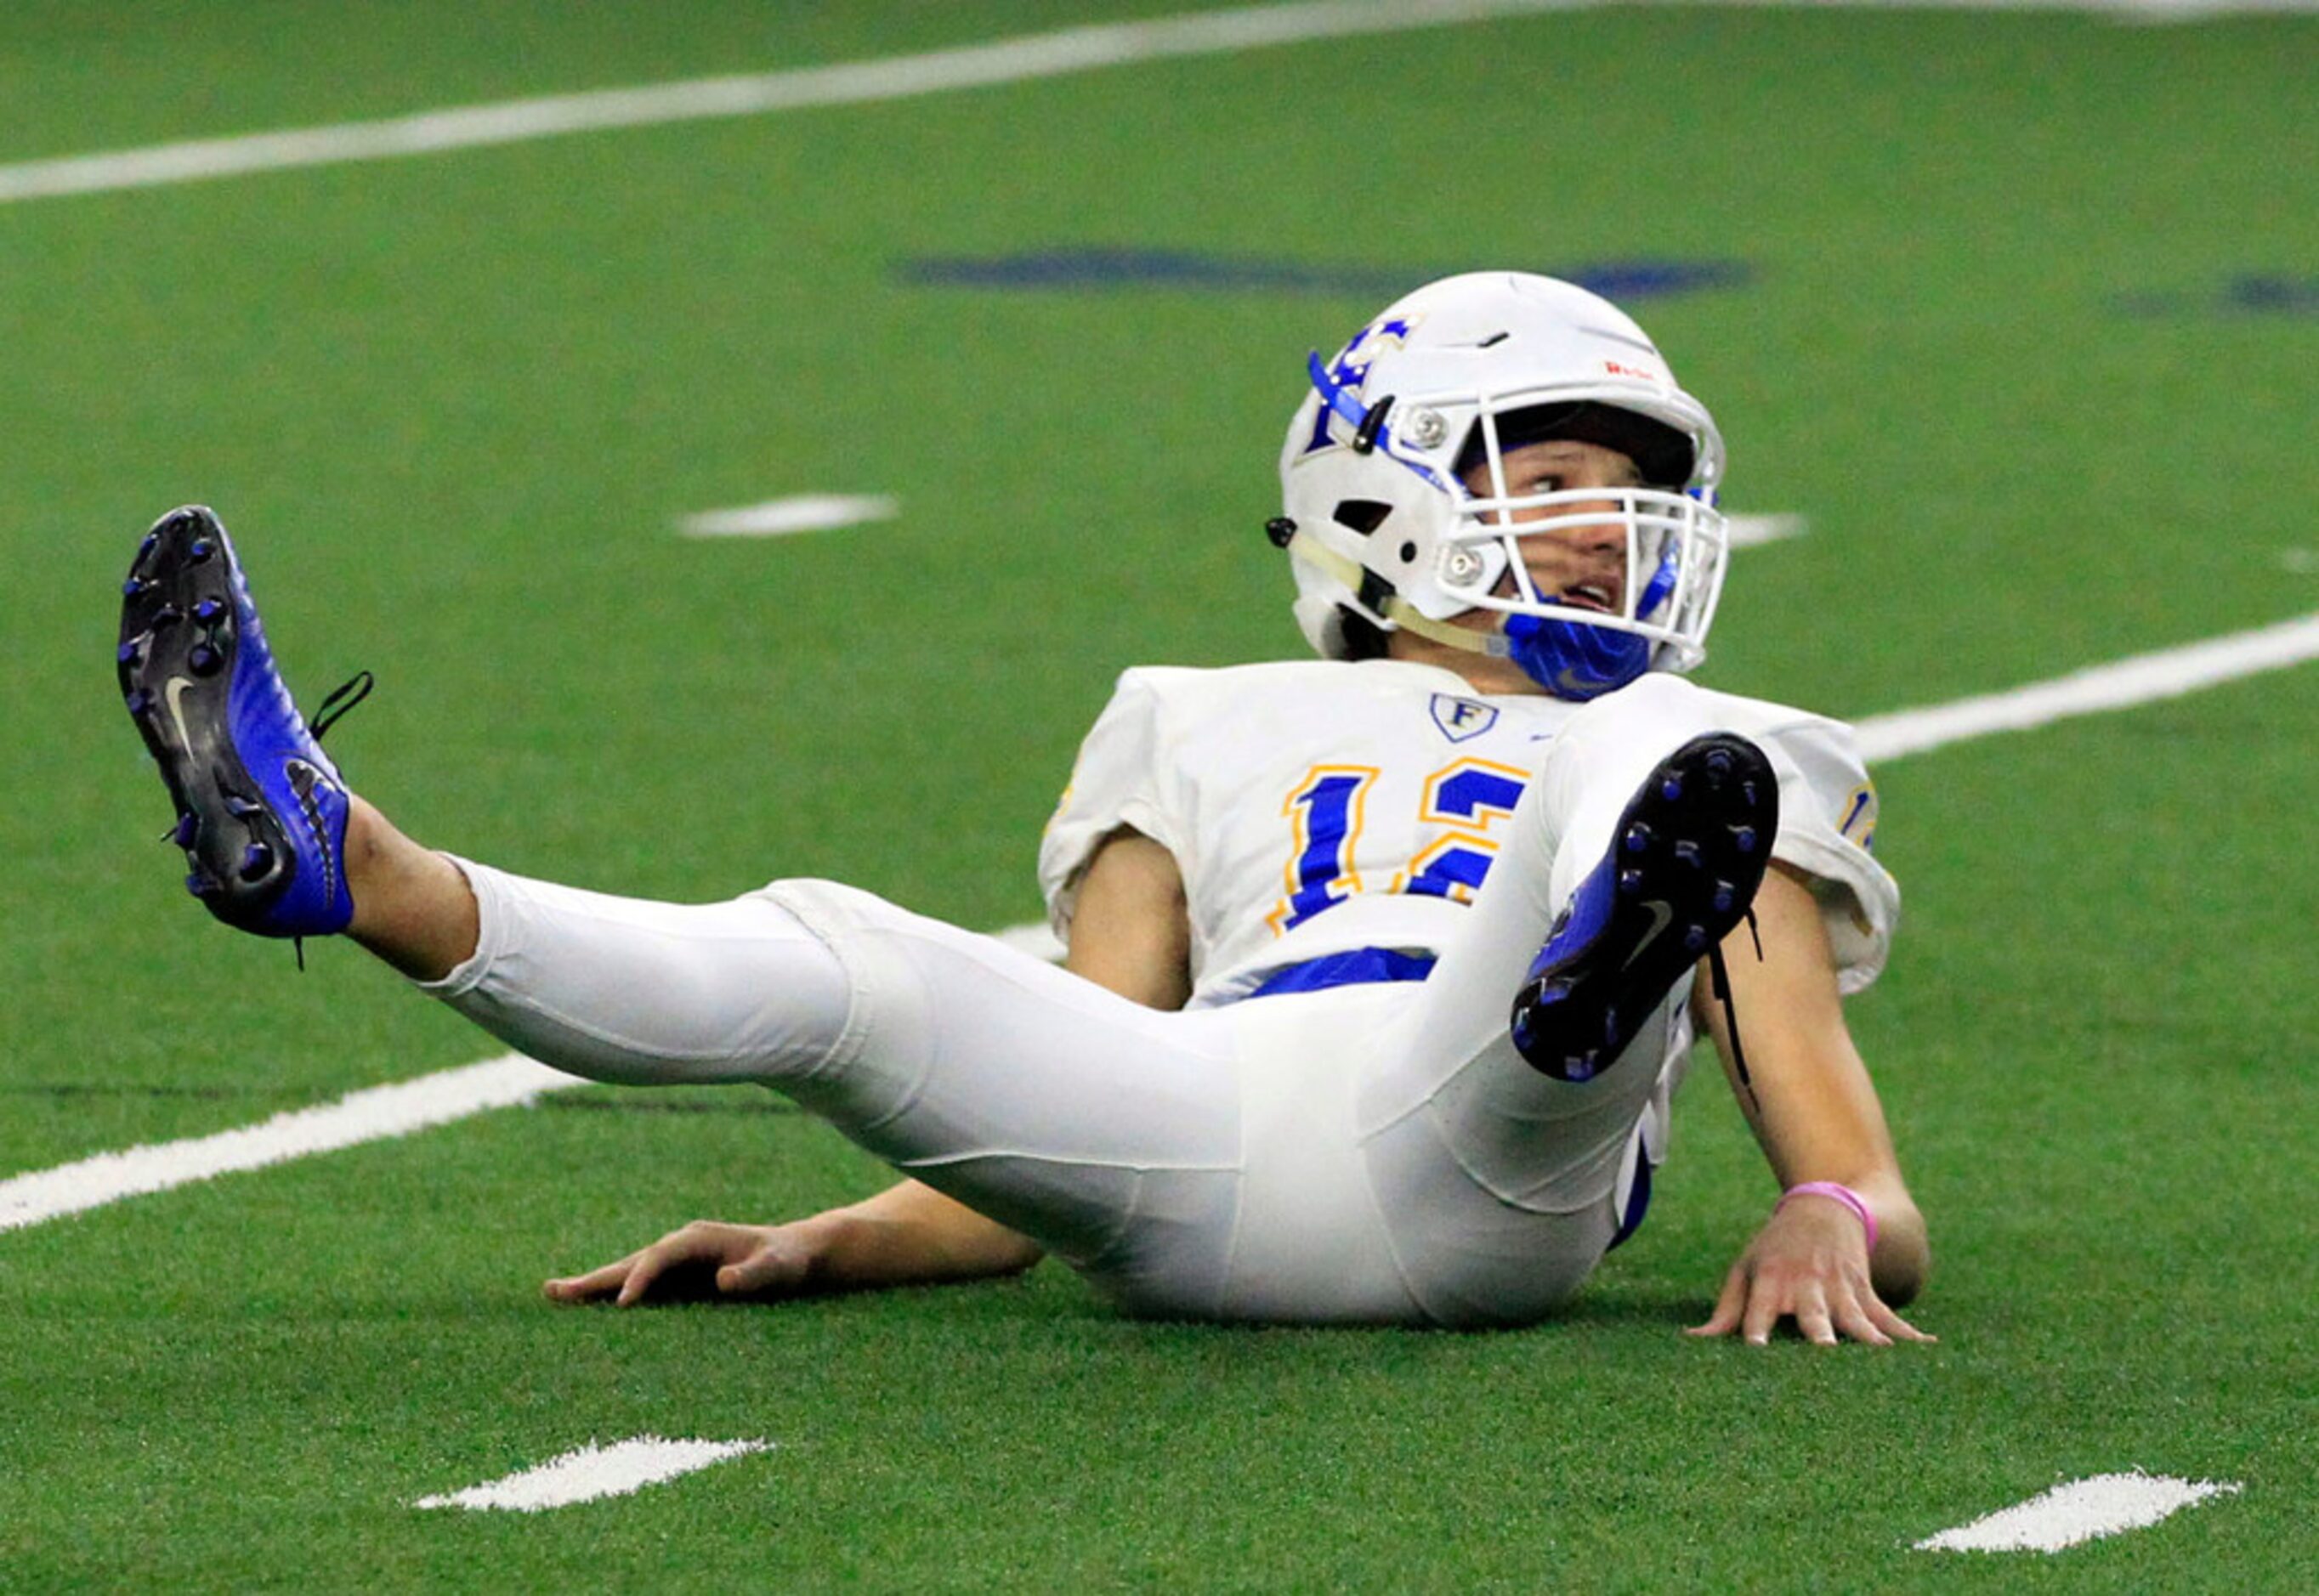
(331, 711)
(1719, 983)
(340, 698)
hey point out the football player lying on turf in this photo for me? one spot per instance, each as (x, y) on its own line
(1383, 967)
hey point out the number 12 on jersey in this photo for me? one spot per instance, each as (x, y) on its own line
(1326, 811)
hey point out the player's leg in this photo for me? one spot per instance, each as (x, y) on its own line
(1504, 1176)
(1108, 1132)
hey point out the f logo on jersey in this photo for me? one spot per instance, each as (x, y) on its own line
(1350, 370)
(1461, 719)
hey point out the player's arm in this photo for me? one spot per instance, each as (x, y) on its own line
(1815, 1113)
(1129, 932)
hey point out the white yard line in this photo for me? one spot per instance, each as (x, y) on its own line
(1754, 531)
(594, 1472)
(438, 1099)
(851, 82)
(2169, 674)
(372, 1115)
(1022, 59)
(2080, 1510)
(779, 518)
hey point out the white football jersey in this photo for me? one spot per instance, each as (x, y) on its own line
(1317, 806)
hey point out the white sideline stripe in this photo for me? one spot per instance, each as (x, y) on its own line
(779, 518)
(371, 1114)
(1030, 56)
(449, 1095)
(592, 1472)
(1754, 531)
(2080, 1510)
(2169, 674)
(893, 77)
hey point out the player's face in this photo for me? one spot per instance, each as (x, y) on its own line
(1583, 564)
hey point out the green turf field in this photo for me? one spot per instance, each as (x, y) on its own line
(2021, 311)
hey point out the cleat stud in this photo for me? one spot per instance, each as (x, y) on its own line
(201, 549)
(1726, 894)
(1694, 938)
(133, 586)
(201, 885)
(208, 610)
(1719, 760)
(139, 700)
(241, 808)
(1630, 882)
(168, 614)
(188, 828)
(1688, 852)
(1671, 789)
(202, 659)
(152, 541)
(256, 860)
(1638, 838)
(1744, 839)
(1581, 1068)
(129, 651)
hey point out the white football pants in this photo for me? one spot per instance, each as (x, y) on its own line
(1364, 1154)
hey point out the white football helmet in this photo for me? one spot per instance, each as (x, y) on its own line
(1381, 524)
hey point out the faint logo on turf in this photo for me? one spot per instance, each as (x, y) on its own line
(1069, 268)
(2247, 295)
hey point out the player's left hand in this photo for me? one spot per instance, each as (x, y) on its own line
(1808, 1263)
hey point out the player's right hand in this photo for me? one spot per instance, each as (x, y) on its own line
(706, 1260)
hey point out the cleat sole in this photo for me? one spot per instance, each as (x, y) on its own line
(1688, 864)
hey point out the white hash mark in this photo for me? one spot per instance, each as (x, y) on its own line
(1754, 531)
(2080, 1510)
(593, 1472)
(779, 518)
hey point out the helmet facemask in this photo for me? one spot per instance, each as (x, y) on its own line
(1674, 547)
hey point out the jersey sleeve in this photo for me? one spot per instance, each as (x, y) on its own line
(1123, 778)
(1827, 825)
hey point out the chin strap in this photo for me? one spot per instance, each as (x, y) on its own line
(1374, 593)
(1562, 660)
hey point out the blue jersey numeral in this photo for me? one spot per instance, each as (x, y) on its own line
(1326, 811)
(1472, 796)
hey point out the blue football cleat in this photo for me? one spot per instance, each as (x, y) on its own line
(1682, 872)
(261, 810)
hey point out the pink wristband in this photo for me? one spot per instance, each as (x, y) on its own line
(1842, 1194)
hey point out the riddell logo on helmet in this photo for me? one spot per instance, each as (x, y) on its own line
(1616, 370)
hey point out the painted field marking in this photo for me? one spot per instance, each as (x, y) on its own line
(779, 518)
(1021, 59)
(438, 1099)
(2080, 1510)
(372, 1115)
(593, 1473)
(2144, 679)
(1754, 531)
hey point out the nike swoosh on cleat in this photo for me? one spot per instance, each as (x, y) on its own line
(1662, 914)
(170, 695)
